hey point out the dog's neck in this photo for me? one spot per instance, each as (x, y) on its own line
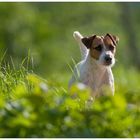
(99, 75)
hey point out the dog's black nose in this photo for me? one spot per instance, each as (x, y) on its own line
(108, 58)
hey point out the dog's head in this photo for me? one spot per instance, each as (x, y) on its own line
(102, 48)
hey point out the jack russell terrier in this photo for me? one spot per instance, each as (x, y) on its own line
(94, 70)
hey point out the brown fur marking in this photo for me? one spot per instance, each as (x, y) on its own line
(93, 52)
(104, 41)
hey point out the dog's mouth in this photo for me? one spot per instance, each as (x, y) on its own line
(107, 60)
(107, 63)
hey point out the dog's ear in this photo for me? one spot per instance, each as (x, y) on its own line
(115, 39)
(87, 41)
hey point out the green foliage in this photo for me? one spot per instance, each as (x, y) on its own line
(31, 106)
(46, 29)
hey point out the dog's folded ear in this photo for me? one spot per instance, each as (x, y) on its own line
(87, 41)
(115, 39)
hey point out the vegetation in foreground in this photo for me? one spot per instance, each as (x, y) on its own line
(31, 106)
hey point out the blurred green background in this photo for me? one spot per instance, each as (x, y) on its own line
(46, 30)
(32, 106)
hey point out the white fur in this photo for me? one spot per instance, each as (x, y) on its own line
(83, 49)
(91, 72)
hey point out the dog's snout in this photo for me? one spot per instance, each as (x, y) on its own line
(108, 58)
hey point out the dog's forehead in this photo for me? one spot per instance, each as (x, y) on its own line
(105, 40)
(98, 40)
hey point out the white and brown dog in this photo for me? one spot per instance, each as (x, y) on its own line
(97, 59)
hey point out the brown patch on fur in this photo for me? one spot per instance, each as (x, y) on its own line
(109, 44)
(93, 52)
(87, 41)
(114, 38)
(109, 41)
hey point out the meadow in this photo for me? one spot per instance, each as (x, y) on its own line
(37, 51)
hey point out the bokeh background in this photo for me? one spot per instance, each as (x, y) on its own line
(35, 101)
(45, 29)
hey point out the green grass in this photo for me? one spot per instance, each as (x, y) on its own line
(32, 106)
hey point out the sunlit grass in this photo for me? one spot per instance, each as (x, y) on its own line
(33, 106)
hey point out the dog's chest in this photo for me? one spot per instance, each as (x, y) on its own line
(91, 76)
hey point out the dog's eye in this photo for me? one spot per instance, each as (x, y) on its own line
(99, 48)
(111, 47)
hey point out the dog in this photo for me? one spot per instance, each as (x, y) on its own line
(98, 56)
